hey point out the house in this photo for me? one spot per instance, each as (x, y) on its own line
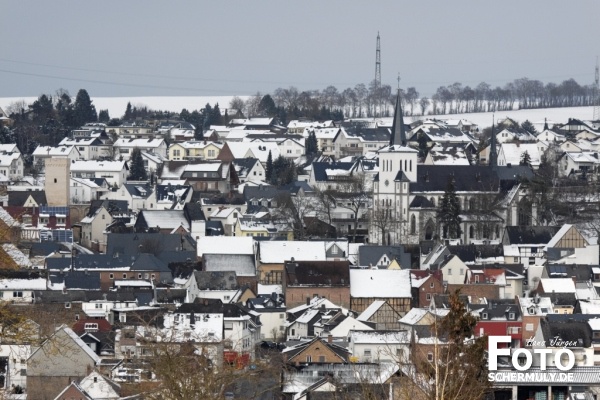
(317, 350)
(379, 346)
(513, 153)
(249, 169)
(139, 195)
(213, 176)
(63, 151)
(500, 317)
(382, 256)
(222, 285)
(21, 288)
(299, 127)
(307, 279)
(94, 386)
(570, 246)
(584, 162)
(511, 131)
(101, 214)
(301, 320)
(390, 285)
(115, 172)
(229, 254)
(325, 137)
(380, 315)
(76, 360)
(163, 221)
(172, 196)
(418, 321)
(338, 325)
(89, 148)
(263, 226)
(272, 256)
(426, 284)
(131, 130)
(194, 150)
(271, 310)
(124, 147)
(444, 154)
(84, 191)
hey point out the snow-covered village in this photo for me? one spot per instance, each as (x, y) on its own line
(204, 202)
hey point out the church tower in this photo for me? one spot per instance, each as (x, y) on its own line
(397, 168)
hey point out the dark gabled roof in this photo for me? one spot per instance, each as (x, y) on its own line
(149, 262)
(266, 302)
(443, 300)
(78, 280)
(58, 296)
(561, 299)
(45, 248)
(193, 212)
(514, 172)
(439, 132)
(342, 352)
(295, 186)
(18, 198)
(499, 309)
(246, 163)
(582, 273)
(173, 256)
(214, 228)
(216, 280)
(371, 254)
(320, 168)
(167, 192)
(261, 191)
(138, 189)
(167, 295)
(530, 234)
(128, 244)
(471, 252)
(579, 332)
(112, 206)
(421, 202)
(400, 177)
(321, 273)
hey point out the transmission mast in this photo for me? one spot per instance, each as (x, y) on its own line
(597, 93)
(378, 76)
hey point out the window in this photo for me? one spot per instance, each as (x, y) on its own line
(529, 327)
(293, 333)
(98, 306)
(111, 276)
(281, 316)
(67, 305)
(432, 285)
(308, 359)
(226, 297)
(139, 276)
(124, 276)
(484, 315)
(449, 271)
(516, 259)
(476, 278)
(367, 353)
(430, 357)
(18, 294)
(428, 296)
(511, 315)
(229, 326)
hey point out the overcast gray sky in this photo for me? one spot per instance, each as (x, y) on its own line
(213, 47)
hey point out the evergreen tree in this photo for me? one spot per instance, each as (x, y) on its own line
(269, 167)
(283, 172)
(311, 144)
(423, 148)
(128, 112)
(525, 159)
(266, 107)
(103, 116)
(215, 116)
(528, 126)
(137, 172)
(449, 213)
(84, 110)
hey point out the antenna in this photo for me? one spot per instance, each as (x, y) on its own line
(378, 75)
(597, 92)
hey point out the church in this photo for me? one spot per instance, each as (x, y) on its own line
(406, 195)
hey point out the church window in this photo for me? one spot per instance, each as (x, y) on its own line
(410, 165)
(432, 200)
(413, 225)
(472, 203)
(471, 232)
(405, 166)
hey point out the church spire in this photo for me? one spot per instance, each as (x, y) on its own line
(398, 133)
(493, 154)
(545, 124)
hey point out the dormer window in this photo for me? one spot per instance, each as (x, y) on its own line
(484, 315)
(511, 315)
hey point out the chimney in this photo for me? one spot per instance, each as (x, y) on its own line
(574, 278)
(329, 338)
(308, 301)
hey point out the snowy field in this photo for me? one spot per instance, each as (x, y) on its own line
(116, 108)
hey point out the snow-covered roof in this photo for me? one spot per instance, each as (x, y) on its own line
(558, 285)
(203, 167)
(416, 314)
(225, 245)
(140, 143)
(94, 165)
(367, 337)
(49, 151)
(87, 349)
(97, 386)
(269, 289)
(380, 283)
(307, 316)
(369, 311)
(277, 252)
(17, 255)
(23, 284)
(594, 324)
(513, 151)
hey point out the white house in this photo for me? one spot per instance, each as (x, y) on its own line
(43, 152)
(20, 290)
(83, 191)
(11, 165)
(115, 172)
(89, 148)
(379, 346)
(124, 147)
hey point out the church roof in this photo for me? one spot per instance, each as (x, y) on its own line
(398, 130)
